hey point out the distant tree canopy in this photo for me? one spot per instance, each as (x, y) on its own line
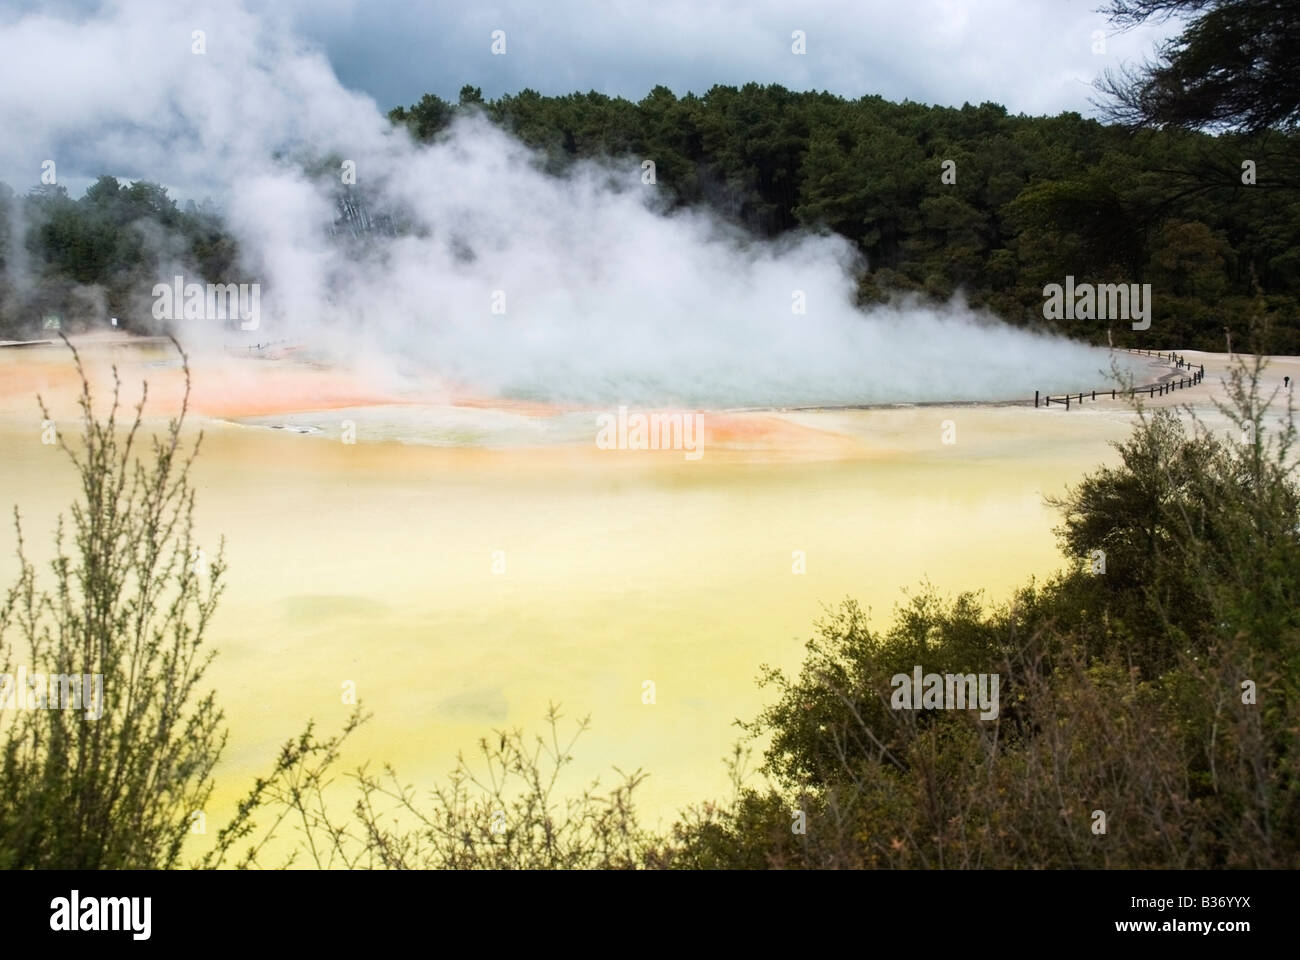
(101, 254)
(941, 201)
(1025, 201)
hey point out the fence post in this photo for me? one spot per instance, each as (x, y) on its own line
(1067, 401)
(1094, 394)
(1035, 399)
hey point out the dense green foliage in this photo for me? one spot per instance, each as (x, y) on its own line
(1035, 198)
(99, 256)
(1160, 690)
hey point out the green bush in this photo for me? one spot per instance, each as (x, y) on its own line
(113, 788)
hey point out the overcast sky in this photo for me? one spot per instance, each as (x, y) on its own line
(1034, 56)
(114, 86)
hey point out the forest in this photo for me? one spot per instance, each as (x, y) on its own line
(971, 202)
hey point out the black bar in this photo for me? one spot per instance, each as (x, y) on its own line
(291, 910)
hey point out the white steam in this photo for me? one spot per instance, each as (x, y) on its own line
(606, 298)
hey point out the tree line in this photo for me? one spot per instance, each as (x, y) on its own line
(969, 201)
(88, 259)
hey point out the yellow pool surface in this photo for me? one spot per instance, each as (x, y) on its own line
(463, 587)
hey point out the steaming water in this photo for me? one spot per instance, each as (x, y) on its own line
(449, 425)
(502, 279)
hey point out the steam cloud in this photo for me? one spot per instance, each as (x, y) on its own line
(607, 299)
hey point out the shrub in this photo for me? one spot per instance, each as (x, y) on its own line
(131, 605)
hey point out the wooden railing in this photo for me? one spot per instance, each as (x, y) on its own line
(1156, 389)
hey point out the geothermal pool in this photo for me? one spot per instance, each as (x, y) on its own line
(466, 561)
